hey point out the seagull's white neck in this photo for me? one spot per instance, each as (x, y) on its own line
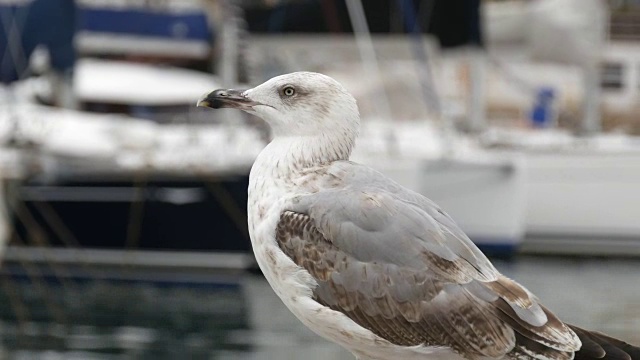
(287, 154)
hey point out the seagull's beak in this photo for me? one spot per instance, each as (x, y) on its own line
(226, 98)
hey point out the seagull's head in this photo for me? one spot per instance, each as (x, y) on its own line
(296, 104)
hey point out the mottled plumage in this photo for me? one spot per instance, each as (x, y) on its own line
(383, 256)
(375, 267)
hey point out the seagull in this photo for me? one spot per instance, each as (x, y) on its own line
(370, 265)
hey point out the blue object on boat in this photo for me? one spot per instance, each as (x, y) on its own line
(542, 113)
(146, 23)
(27, 24)
(145, 29)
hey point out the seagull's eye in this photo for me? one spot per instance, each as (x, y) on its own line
(289, 91)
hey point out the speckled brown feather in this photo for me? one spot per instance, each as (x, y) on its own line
(409, 323)
(305, 245)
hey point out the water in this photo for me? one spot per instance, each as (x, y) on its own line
(106, 320)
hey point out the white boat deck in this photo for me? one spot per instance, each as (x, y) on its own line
(119, 143)
(583, 194)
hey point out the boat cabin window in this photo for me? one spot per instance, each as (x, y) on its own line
(612, 76)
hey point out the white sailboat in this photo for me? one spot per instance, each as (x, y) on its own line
(582, 190)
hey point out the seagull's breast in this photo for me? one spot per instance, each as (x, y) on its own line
(268, 197)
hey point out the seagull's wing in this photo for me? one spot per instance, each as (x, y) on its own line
(396, 264)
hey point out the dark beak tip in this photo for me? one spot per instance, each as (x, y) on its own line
(211, 103)
(212, 99)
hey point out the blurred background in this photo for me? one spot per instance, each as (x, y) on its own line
(123, 206)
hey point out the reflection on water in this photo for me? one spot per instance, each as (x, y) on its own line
(107, 320)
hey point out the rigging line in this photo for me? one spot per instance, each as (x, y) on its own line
(36, 237)
(368, 54)
(509, 75)
(224, 198)
(136, 213)
(134, 223)
(425, 73)
(13, 21)
(229, 204)
(35, 276)
(53, 220)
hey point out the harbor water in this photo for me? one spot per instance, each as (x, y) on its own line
(242, 318)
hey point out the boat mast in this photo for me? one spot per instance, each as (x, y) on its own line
(591, 117)
(227, 67)
(370, 62)
(477, 121)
